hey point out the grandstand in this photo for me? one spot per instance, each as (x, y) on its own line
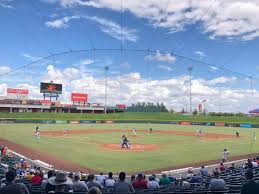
(233, 177)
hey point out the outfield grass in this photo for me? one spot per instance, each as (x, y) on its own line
(174, 150)
(130, 116)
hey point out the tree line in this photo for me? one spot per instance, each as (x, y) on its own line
(147, 107)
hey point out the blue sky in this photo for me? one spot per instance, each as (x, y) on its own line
(217, 32)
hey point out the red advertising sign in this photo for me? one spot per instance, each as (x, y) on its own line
(13, 93)
(220, 124)
(17, 91)
(78, 97)
(121, 106)
(185, 123)
(46, 102)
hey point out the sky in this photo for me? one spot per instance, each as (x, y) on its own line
(148, 46)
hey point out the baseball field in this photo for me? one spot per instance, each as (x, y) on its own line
(96, 147)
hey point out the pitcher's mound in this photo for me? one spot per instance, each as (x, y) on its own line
(133, 148)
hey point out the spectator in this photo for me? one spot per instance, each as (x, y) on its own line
(101, 178)
(20, 171)
(71, 176)
(110, 181)
(171, 178)
(140, 182)
(60, 182)
(195, 179)
(92, 183)
(190, 173)
(29, 175)
(164, 180)
(254, 163)
(250, 187)
(232, 167)
(45, 185)
(222, 168)
(216, 170)
(11, 187)
(249, 164)
(77, 185)
(132, 179)
(122, 186)
(152, 184)
(94, 190)
(156, 179)
(216, 183)
(36, 179)
(203, 171)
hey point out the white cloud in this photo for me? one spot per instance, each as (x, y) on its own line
(213, 68)
(113, 29)
(6, 4)
(61, 23)
(165, 67)
(30, 57)
(257, 67)
(230, 19)
(3, 89)
(4, 70)
(61, 76)
(86, 62)
(107, 26)
(221, 80)
(161, 57)
(200, 54)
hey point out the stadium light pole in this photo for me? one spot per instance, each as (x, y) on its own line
(190, 68)
(106, 68)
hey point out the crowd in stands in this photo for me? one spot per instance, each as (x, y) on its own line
(17, 177)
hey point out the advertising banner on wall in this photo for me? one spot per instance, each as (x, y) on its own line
(14, 93)
(46, 102)
(121, 106)
(79, 97)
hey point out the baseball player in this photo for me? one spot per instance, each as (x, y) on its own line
(65, 130)
(134, 132)
(225, 155)
(37, 135)
(199, 132)
(125, 142)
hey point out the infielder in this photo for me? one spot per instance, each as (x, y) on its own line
(134, 132)
(65, 130)
(37, 135)
(199, 132)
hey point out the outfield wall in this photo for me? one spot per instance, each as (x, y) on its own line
(221, 124)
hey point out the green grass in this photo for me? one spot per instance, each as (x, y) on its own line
(173, 150)
(130, 116)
